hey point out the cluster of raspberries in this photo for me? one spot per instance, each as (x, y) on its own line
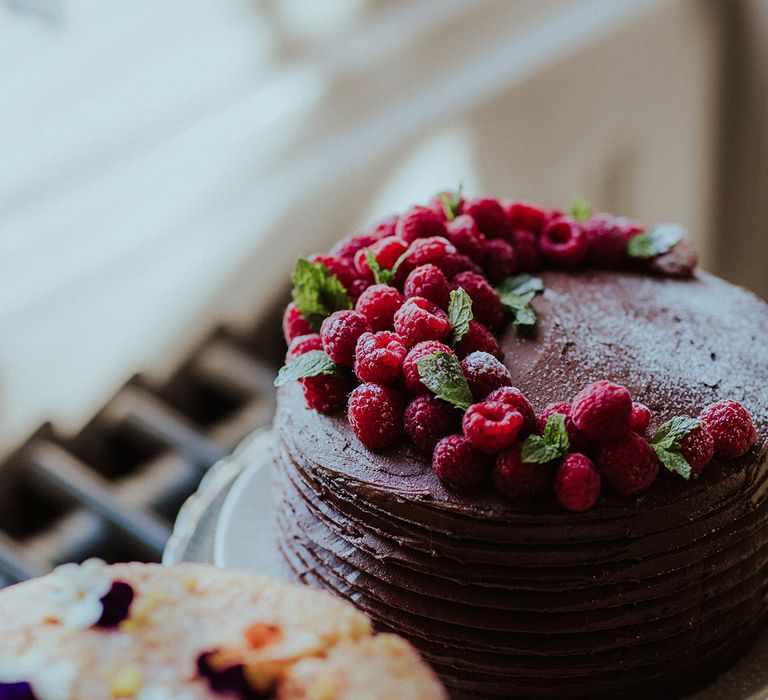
(470, 245)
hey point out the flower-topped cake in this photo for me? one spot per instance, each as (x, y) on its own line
(95, 632)
(533, 442)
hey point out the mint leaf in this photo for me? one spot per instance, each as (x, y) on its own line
(381, 275)
(553, 444)
(310, 364)
(667, 440)
(317, 292)
(459, 314)
(655, 242)
(441, 374)
(580, 209)
(516, 294)
(452, 202)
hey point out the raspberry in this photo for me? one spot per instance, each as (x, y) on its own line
(641, 418)
(378, 304)
(348, 247)
(420, 319)
(428, 419)
(357, 288)
(477, 338)
(484, 374)
(386, 251)
(524, 215)
(340, 332)
(326, 393)
(430, 283)
(527, 250)
(490, 217)
(602, 411)
(491, 426)
(512, 396)
(304, 343)
(486, 304)
(607, 238)
(577, 440)
(562, 242)
(437, 205)
(465, 235)
(459, 464)
(294, 324)
(411, 376)
(453, 263)
(341, 268)
(429, 250)
(628, 464)
(500, 261)
(379, 357)
(375, 413)
(515, 479)
(577, 483)
(697, 448)
(419, 222)
(385, 228)
(730, 426)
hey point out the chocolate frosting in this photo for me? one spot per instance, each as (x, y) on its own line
(650, 594)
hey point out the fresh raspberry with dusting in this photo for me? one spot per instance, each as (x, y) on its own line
(326, 393)
(304, 343)
(465, 235)
(525, 215)
(697, 448)
(428, 419)
(341, 268)
(607, 238)
(641, 418)
(419, 222)
(429, 250)
(486, 304)
(379, 357)
(420, 319)
(477, 339)
(484, 374)
(294, 324)
(515, 479)
(602, 411)
(577, 483)
(387, 251)
(562, 242)
(375, 413)
(459, 464)
(490, 217)
(428, 282)
(500, 260)
(514, 397)
(340, 332)
(411, 376)
(730, 426)
(453, 263)
(578, 441)
(378, 303)
(527, 250)
(347, 248)
(491, 426)
(628, 465)
(357, 288)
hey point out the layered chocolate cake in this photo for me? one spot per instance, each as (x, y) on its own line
(578, 553)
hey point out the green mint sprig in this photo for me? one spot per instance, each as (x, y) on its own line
(452, 202)
(553, 444)
(441, 374)
(381, 274)
(317, 292)
(659, 240)
(309, 364)
(667, 442)
(516, 294)
(459, 314)
(581, 209)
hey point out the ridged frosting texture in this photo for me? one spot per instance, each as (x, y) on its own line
(637, 596)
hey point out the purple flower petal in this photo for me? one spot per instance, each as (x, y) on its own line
(20, 690)
(116, 604)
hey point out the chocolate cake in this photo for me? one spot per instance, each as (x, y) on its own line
(648, 594)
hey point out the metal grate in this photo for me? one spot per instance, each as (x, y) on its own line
(114, 489)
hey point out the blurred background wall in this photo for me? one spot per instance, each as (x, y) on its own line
(163, 163)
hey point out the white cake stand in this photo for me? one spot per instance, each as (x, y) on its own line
(228, 522)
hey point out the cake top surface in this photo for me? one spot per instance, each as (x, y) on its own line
(526, 351)
(191, 632)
